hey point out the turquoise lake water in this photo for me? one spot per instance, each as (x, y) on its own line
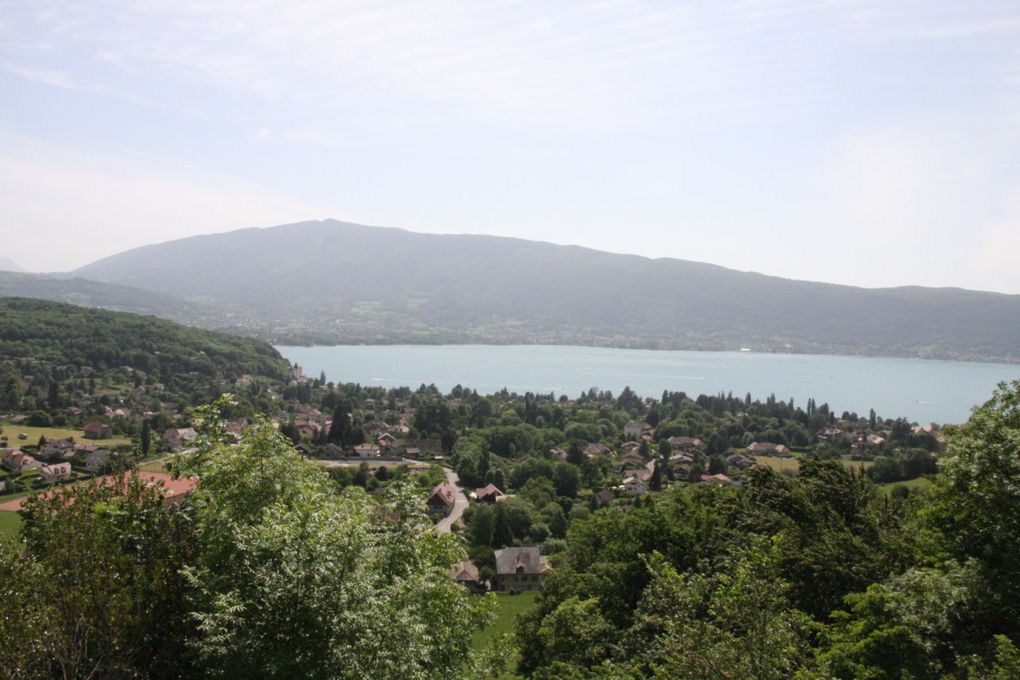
(920, 390)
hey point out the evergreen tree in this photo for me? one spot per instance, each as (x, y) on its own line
(146, 437)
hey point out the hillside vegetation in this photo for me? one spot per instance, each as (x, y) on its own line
(334, 282)
(62, 334)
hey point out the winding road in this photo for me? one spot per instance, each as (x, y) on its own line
(460, 503)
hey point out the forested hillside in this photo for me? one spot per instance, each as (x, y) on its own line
(332, 282)
(64, 334)
(86, 293)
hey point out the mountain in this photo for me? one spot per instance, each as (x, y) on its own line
(9, 265)
(335, 282)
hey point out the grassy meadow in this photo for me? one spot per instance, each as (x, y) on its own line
(32, 435)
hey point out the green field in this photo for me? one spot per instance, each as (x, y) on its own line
(10, 523)
(152, 466)
(780, 464)
(33, 434)
(509, 607)
(912, 484)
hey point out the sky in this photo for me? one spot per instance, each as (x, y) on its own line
(858, 142)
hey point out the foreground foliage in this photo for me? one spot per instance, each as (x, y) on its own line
(813, 577)
(267, 571)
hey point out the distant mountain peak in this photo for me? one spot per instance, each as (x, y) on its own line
(327, 281)
(9, 265)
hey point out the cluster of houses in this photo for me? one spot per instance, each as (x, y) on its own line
(518, 569)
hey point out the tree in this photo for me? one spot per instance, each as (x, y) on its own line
(736, 623)
(298, 579)
(655, 484)
(973, 509)
(146, 437)
(109, 557)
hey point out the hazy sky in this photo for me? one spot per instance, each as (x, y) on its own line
(873, 143)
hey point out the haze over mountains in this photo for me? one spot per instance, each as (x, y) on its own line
(9, 265)
(335, 282)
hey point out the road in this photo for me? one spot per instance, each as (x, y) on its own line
(460, 503)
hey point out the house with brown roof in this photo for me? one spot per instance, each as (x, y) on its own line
(489, 494)
(16, 460)
(97, 430)
(720, 479)
(441, 498)
(176, 437)
(366, 451)
(636, 481)
(520, 569)
(768, 449)
(685, 443)
(597, 449)
(466, 574)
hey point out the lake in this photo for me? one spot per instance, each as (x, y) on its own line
(920, 390)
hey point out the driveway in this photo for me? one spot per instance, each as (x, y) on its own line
(460, 503)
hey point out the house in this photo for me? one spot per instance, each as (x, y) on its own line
(605, 497)
(520, 569)
(386, 441)
(720, 479)
(768, 449)
(375, 428)
(557, 453)
(636, 481)
(489, 494)
(631, 459)
(739, 460)
(441, 498)
(56, 472)
(97, 430)
(176, 437)
(876, 440)
(366, 451)
(173, 489)
(597, 449)
(630, 446)
(466, 574)
(635, 428)
(16, 461)
(98, 461)
(412, 448)
(685, 443)
(56, 449)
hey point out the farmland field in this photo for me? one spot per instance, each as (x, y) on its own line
(32, 435)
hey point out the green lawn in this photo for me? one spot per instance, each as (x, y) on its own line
(912, 484)
(33, 433)
(10, 524)
(506, 614)
(779, 464)
(152, 466)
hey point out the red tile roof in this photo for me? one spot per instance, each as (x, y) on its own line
(173, 489)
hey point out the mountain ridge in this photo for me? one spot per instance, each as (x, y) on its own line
(332, 282)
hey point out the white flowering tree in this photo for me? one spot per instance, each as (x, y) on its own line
(299, 579)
